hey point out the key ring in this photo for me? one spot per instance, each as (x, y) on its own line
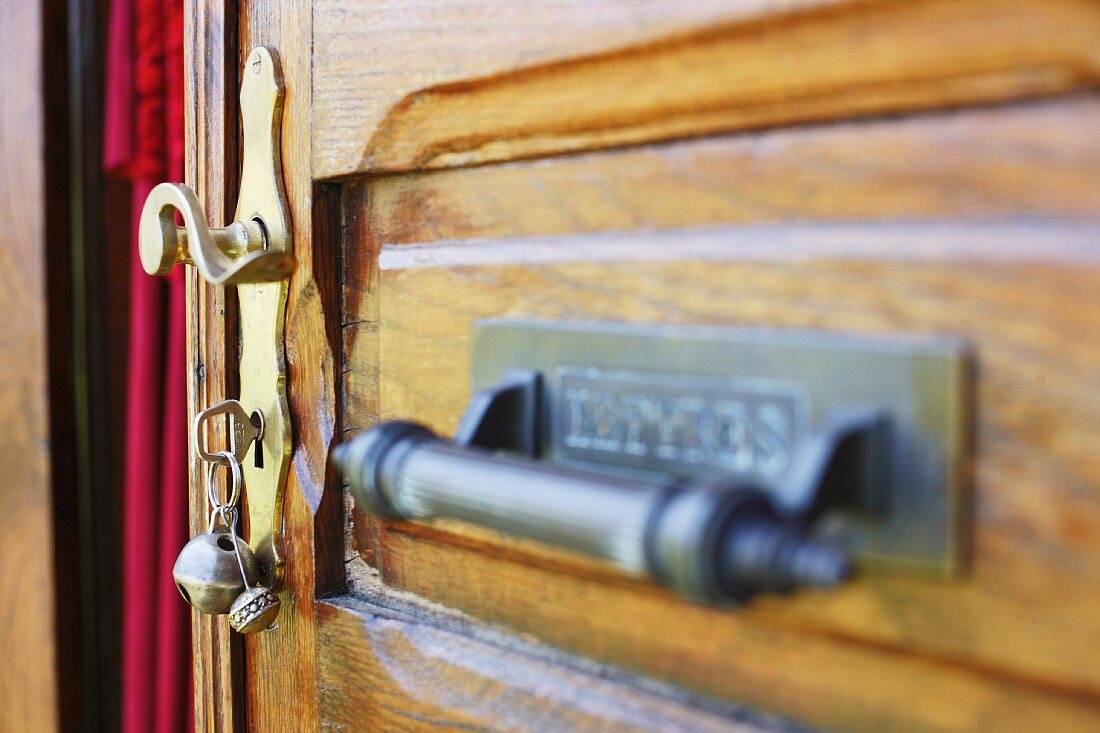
(228, 509)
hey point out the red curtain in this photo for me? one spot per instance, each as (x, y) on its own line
(144, 145)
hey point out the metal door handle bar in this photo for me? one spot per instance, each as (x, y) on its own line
(713, 541)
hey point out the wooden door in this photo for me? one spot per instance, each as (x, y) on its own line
(31, 686)
(929, 166)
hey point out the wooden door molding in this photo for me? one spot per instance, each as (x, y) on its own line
(211, 169)
(401, 88)
(396, 664)
(274, 687)
(981, 211)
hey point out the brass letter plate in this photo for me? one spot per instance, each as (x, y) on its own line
(642, 400)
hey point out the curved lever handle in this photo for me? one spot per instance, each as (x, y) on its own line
(234, 254)
(256, 248)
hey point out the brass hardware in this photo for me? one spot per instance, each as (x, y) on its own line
(721, 462)
(262, 308)
(255, 253)
(771, 391)
(263, 389)
(256, 247)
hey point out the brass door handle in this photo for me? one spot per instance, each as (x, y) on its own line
(256, 247)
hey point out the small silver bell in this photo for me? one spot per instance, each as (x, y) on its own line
(255, 610)
(207, 572)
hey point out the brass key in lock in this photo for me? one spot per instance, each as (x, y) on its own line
(245, 429)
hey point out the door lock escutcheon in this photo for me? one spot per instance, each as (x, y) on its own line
(254, 253)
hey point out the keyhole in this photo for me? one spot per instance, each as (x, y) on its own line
(257, 421)
(263, 230)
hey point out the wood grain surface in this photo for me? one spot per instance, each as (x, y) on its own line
(761, 658)
(400, 666)
(1014, 161)
(211, 169)
(29, 688)
(281, 679)
(400, 86)
(935, 224)
(980, 223)
(271, 685)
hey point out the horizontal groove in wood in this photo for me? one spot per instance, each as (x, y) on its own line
(1016, 161)
(996, 241)
(420, 671)
(751, 659)
(457, 91)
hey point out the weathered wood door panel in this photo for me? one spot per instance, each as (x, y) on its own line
(1014, 287)
(717, 162)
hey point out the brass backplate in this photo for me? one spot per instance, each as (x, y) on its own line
(262, 308)
(675, 400)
